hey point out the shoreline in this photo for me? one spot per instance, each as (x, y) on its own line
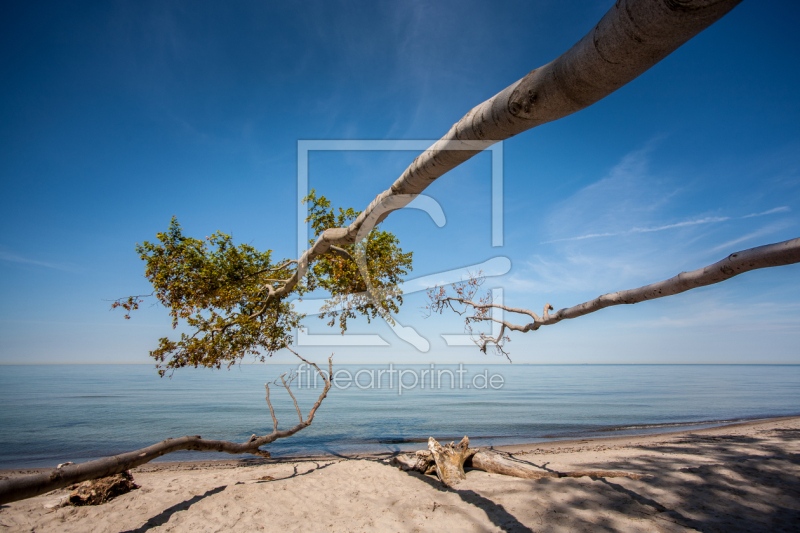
(546, 445)
(737, 478)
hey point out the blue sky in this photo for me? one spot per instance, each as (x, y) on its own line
(115, 116)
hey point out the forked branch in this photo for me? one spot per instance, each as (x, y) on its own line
(29, 486)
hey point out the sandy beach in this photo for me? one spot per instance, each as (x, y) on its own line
(739, 477)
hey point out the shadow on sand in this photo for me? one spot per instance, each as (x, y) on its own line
(164, 516)
(735, 484)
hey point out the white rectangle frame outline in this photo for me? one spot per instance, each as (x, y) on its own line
(304, 146)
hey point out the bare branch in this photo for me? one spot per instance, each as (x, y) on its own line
(299, 414)
(29, 486)
(272, 269)
(771, 255)
(341, 252)
(271, 410)
(490, 305)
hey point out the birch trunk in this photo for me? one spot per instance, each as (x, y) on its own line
(632, 37)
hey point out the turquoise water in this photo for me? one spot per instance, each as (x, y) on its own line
(53, 414)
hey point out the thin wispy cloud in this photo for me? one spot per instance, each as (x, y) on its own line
(714, 311)
(631, 228)
(630, 200)
(707, 220)
(16, 258)
(766, 230)
(782, 209)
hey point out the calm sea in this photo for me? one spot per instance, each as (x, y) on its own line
(53, 414)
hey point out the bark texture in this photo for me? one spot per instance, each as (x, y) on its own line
(449, 460)
(496, 463)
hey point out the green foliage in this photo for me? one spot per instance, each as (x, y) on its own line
(226, 293)
(352, 294)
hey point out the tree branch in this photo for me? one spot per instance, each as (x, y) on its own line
(771, 255)
(271, 411)
(299, 414)
(29, 486)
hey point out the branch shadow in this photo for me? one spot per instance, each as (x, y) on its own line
(495, 512)
(295, 473)
(720, 483)
(164, 516)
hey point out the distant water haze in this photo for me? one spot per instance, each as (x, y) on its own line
(53, 414)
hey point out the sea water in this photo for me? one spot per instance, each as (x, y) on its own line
(53, 414)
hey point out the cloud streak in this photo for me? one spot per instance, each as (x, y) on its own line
(707, 220)
(766, 230)
(782, 209)
(16, 258)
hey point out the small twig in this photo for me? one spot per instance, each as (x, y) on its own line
(289, 390)
(271, 410)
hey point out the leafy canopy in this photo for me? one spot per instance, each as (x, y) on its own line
(226, 293)
(370, 290)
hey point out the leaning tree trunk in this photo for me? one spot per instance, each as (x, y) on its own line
(631, 37)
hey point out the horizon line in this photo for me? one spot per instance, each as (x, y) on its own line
(423, 363)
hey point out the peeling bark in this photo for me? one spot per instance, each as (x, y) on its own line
(102, 490)
(421, 461)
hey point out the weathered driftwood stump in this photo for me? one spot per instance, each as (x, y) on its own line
(449, 460)
(448, 463)
(102, 490)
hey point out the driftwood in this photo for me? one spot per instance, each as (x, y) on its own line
(449, 460)
(448, 463)
(66, 474)
(102, 490)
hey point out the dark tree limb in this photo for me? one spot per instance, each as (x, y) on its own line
(20, 488)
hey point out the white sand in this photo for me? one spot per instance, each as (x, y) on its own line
(742, 477)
